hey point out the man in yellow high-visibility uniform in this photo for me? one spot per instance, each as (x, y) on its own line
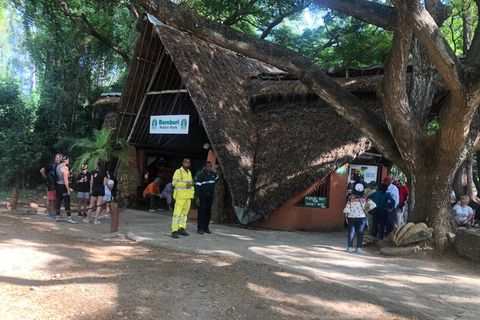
(183, 194)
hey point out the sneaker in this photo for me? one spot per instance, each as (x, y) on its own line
(175, 234)
(97, 222)
(476, 225)
(200, 232)
(50, 216)
(70, 220)
(182, 232)
(84, 214)
(80, 214)
(208, 231)
(85, 221)
(152, 210)
(349, 249)
(60, 219)
(359, 250)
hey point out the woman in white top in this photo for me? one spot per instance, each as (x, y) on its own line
(109, 183)
(355, 215)
(463, 213)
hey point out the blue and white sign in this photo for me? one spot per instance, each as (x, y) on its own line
(169, 124)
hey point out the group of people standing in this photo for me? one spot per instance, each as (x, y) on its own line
(387, 211)
(95, 186)
(182, 189)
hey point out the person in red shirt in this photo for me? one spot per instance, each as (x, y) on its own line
(403, 194)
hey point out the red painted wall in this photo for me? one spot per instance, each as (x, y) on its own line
(290, 218)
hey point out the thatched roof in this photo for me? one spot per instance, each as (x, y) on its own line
(271, 144)
(107, 100)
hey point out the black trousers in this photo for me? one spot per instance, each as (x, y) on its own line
(62, 194)
(204, 212)
(151, 198)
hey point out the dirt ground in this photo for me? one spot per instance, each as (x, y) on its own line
(51, 276)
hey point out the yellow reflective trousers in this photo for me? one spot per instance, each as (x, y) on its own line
(179, 219)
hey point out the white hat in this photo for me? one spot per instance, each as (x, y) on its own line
(359, 187)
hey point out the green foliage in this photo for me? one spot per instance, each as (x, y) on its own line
(18, 144)
(241, 15)
(340, 41)
(463, 20)
(397, 174)
(100, 147)
(71, 68)
(433, 127)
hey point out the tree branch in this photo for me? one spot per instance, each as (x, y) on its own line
(87, 27)
(393, 93)
(131, 6)
(281, 18)
(344, 102)
(239, 12)
(438, 50)
(374, 13)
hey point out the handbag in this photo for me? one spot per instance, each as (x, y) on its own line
(373, 211)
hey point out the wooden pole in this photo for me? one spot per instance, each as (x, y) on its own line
(14, 200)
(114, 222)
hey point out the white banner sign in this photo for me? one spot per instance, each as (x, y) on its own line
(169, 124)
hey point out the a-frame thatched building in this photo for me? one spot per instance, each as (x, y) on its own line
(272, 137)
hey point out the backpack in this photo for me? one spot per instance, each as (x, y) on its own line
(51, 178)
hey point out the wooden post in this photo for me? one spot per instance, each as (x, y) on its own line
(114, 222)
(14, 200)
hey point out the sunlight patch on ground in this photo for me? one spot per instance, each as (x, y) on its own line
(293, 277)
(301, 306)
(236, 236)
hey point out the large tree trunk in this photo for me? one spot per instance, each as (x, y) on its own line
(463, 179)
(429, 203)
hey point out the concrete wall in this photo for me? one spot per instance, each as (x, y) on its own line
(291, 218)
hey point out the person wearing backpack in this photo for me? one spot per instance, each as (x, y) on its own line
(48, 173)
(62, 188)
(385, 204)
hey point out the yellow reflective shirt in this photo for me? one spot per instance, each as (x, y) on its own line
(180, 179)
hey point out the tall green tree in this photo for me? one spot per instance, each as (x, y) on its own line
(19, 161)
(73, 67)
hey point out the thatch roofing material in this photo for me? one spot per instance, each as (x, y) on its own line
(215, 78)
(108, 100)
(269, 149)
(294, 88)
(298, 144)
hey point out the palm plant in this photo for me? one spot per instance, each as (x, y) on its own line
(100, 147)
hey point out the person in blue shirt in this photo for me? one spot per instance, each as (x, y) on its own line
(204, 190)
(167, 193)
(385, 204)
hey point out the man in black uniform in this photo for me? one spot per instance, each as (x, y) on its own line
(204, 189)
